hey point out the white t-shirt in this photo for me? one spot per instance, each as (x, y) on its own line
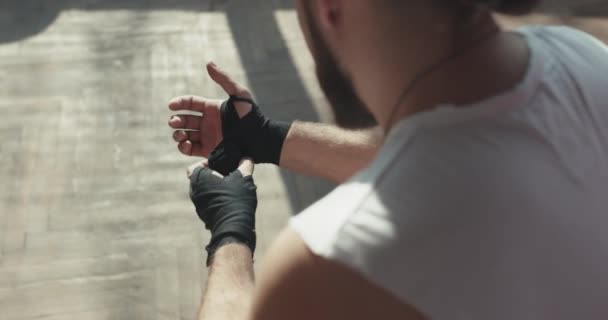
(497, 210)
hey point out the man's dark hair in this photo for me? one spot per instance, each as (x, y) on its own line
(511, 7)
(508, 7)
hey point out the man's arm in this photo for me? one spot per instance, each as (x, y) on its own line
(226, 205)
(328, 151)
(296, 284)
(309, 148)
(229, 284)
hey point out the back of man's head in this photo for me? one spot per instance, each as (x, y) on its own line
(361, 47)
(512, 7)
(509, 7)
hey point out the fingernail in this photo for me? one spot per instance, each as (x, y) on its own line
(211, 63)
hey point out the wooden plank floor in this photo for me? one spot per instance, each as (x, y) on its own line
(95, 222)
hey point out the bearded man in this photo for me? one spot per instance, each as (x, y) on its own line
(472, 162)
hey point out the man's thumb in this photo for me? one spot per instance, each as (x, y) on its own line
(246, 167)
(220, 77)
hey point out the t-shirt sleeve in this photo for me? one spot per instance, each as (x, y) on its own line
(401, 229)
(320, 224)
(426, 229)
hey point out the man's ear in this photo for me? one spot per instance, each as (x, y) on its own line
(329, 13)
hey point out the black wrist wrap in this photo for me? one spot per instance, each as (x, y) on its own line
(226, 206)
(254, 135)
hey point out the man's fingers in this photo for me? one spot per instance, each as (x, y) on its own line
(225, 81)
(180, 135)
(201, 164)
(185, 147)
(190, 148)
(193, 167)
(192, 136)
(185, 121)
(246, 167)
(193, 103)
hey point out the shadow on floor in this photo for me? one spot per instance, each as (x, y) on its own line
(248, 20)
(20, 19)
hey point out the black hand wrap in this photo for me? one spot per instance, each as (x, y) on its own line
(226, 206)
(254, 135)
(225, 158)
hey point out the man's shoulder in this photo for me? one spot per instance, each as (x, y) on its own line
(429, 170)
(320, 223)
(297, 284)
(443, 183)
(411, 169)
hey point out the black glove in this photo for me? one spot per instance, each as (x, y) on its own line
(226, 206)
(254, 135)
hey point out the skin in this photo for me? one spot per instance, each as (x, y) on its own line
(382, 49)
(231, 267)
(198, 135)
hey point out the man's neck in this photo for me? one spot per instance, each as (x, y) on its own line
(486, 67)
(486, 71)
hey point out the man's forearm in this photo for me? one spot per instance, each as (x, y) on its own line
(230, 284)
(328, 151)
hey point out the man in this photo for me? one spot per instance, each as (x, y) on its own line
(481, 194)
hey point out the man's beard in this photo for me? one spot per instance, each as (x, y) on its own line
(348, 109)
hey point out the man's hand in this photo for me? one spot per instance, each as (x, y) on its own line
(198, 135)
(227, 207)
(225, 204)
(227, 131)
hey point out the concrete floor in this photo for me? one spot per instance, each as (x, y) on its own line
(95, 222)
